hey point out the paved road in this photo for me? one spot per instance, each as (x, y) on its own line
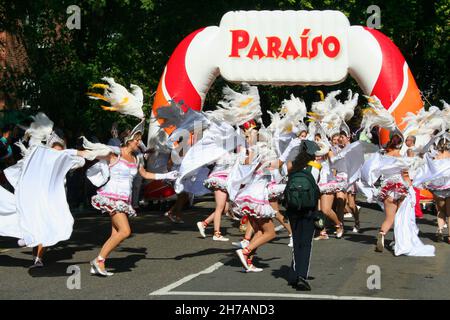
(167, 261)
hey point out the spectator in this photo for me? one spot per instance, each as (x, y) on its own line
(114, 140)
(5, 147)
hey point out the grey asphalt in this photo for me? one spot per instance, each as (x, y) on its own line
(160, 253)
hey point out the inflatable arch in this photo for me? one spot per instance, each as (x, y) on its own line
(287, 48)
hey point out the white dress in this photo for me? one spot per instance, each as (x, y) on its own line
(253, 198)
(389, 170)
(276, 185)
(38, 211)
(217, 179)
(115, 195)
(406, 232)
(214, 147)
(330, 183)
(434, 175)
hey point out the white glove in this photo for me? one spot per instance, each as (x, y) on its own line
(294, 143)
(172, 175)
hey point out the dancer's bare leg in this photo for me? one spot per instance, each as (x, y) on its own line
(119, 232)
(280, 217)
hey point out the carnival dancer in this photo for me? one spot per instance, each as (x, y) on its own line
(253, 200)
(351, 189)
(395, 193)
(218, 146)
(329, 116)
(116, 171)
(434, 175)
(38, 213)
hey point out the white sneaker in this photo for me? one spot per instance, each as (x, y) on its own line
(201, 229)
(291, 242)
(220, 238)
(279, 228)
(95, 269)
(243, 258)
(37, 264)
(348, 215)
(241, 244)
(252, 268)
(171, 217)
(356, 229)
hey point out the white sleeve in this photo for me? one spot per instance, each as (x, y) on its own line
(98, 174)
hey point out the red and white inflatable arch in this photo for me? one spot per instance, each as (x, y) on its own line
(288, 48)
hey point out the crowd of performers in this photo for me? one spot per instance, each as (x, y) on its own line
(245, 164)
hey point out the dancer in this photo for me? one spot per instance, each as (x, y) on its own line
(217, 182)
(219, 146)
(40, 175)
(395, 193)
(434, 175)
(253, 200)
(328, 116)
(117, 169)
(351, 189)
(114, 198)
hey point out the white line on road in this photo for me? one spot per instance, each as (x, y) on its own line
(166, 289)
(266, 294)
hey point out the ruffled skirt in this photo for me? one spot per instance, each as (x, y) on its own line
(217, 180)
(253, 200)
(111, 206)
(276, 190)
(439, 187)
(394, 187)
(338, 184)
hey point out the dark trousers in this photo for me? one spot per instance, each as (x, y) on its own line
(302, 234)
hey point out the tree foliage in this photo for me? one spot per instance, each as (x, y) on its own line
(132, 40)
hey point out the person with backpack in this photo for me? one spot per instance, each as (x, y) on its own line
(301, 197)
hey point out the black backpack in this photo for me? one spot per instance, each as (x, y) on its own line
(302, 192)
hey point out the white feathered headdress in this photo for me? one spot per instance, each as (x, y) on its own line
(377, 115)
(290, 117)
(119, 98)
(346, 110)
(238, 108)
(426, 124)
(40, 129)
(320, 109)
(332, 114)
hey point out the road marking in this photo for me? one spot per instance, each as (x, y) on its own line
(166, 289)
(267, 294)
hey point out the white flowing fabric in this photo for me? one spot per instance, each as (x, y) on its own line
(431, 170)
(13, 172)
(406, 232)
(240, 174)
(9, 220)
(41, 209)
(98, 174)
(217, 141)
(350, 160)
